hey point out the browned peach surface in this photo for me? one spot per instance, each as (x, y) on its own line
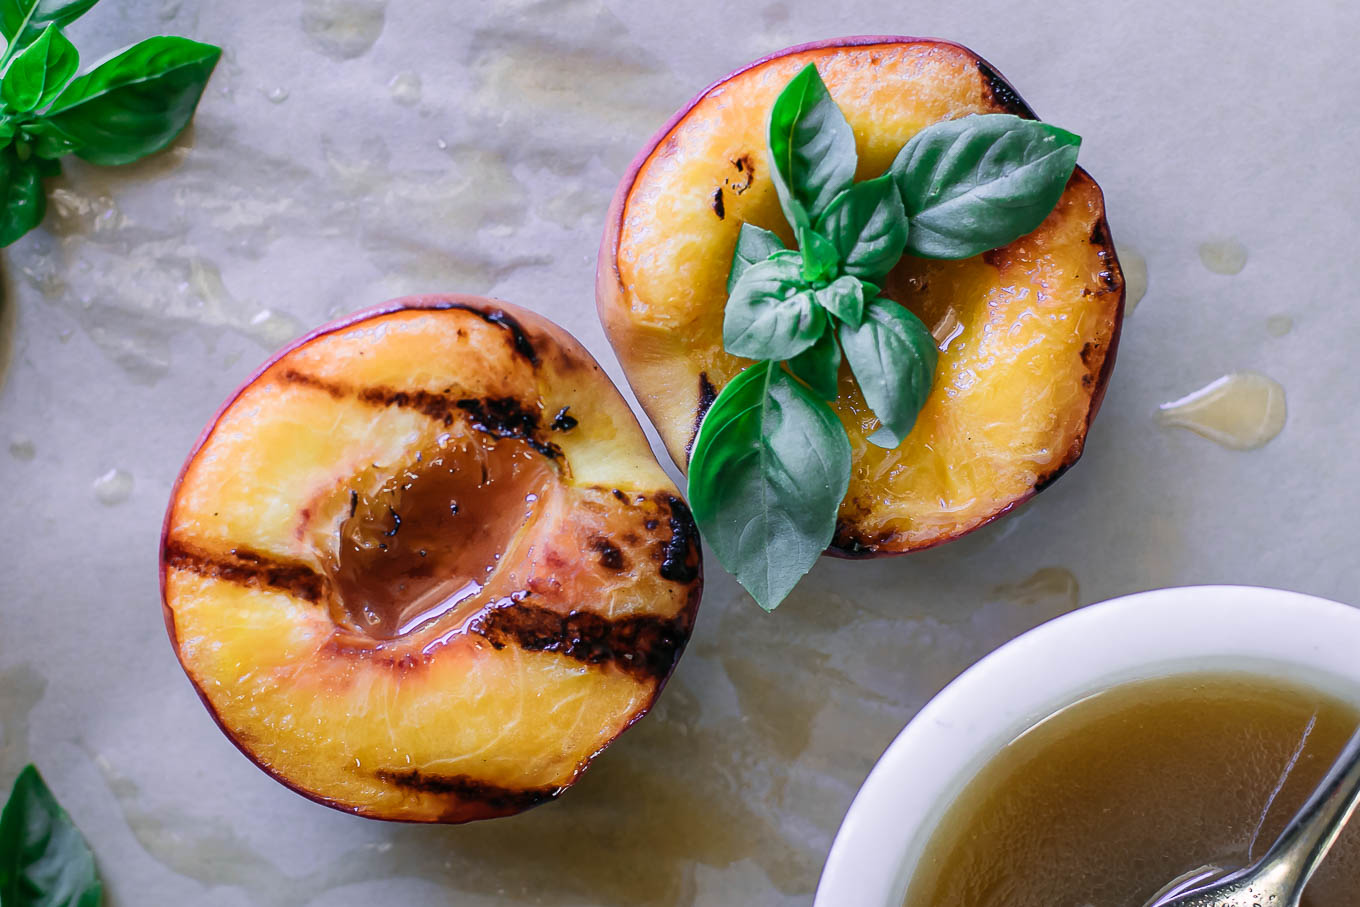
(574, 562)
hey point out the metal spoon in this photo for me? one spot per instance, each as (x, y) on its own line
(1277, 879)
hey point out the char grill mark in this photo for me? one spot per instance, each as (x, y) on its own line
(512, 799)
(250, 568)
(500, 417)
(642, 646)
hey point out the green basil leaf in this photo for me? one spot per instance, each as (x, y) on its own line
(22, 21)
(44, 860)
(844, 298)
(819, 366)
(868, 226)
(980, 182)
(135, 103)
(820, 260)
(770, 467)
(892, 356)
(771, 313)
(812, 148)
(48, 142)
(753, 245)
(47, 167)
(39, 73)
(23, 203)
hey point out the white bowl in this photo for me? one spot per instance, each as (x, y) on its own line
(1152, 634)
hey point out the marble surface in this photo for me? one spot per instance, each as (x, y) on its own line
(352, 150)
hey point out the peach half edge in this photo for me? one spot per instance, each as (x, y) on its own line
(423, 565)
(1027, 332)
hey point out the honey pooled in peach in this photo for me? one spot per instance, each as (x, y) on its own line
(431, 536)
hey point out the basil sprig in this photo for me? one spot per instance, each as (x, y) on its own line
(128, 106)
(771, 462)
(44, 860)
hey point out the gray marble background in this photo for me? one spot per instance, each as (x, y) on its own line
(352, 150)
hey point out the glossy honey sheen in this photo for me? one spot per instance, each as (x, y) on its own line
(1103, 803)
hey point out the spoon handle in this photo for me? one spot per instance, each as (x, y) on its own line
(1314, 828)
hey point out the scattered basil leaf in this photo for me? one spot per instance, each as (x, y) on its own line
(44, 860)
(844, 298)
(136, 102)
(22, 21)
(771, 313)
(812, 149)
(39, 73)
(753, 245)
(770, 466)
(868, 226)
(819, 366)
(892, 356)
(820, 260)
(23, 203)
(981, 181)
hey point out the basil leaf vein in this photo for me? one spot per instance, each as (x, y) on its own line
(771, 313)
(819, 366)
(753, 245)
(39, 73)
(135, 103)
(981, 181)
(769, 469)
(844, 298)
(868, 226)
(812, 148)
(892, 357)
(22, 21)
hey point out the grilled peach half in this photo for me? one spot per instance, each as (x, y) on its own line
(1027, 333)
(424, 565)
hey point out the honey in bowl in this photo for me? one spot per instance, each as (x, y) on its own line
(1106, 801)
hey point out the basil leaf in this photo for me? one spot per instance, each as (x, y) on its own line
(44, 861)
(892, 356)
(48, 142)
(819, 366)
(820, 260)
(23, 204)
(770, 467)
(753, 245)
(868, 226)
(22, 21)
(844, 299)
(135, 103)
(771, 313)
(812, 149)
(980, 182)
(39, 73)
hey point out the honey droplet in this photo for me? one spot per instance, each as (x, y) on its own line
(21, 448)
(1227, 256)
(405, 88)
(113, 487)
(1279, 325)
(1241, 411)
